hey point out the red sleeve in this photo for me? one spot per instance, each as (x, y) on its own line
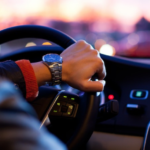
(30, 79)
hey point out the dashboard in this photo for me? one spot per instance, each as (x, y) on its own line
(129, 82)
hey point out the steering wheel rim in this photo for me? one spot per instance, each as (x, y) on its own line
(90, 107)
(35, 31)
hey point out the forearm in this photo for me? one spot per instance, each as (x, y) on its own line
(80, 63)
(42, 73)
(10, 70)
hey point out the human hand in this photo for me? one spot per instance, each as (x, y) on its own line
(80, 63)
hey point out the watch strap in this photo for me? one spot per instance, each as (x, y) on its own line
(56, 72)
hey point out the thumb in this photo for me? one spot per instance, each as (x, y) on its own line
(93, 86)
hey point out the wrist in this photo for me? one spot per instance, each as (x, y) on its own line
(54, 64)
(42, 73)
(65, 73)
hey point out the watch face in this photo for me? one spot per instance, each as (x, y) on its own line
(52, 58)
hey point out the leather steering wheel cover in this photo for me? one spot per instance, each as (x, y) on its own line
(88, 108)
(88, 111)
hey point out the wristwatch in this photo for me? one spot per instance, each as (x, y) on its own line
(54, 63)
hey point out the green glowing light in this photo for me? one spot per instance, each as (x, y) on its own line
(139, 93)
(65, 96)
(69, 113)
(55, 111)
(72, 98)
(71, 107)
(58, 104)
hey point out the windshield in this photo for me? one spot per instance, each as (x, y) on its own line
(114, 27)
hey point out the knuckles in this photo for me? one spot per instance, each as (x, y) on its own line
(81, 42)
(88, 47)
(95, 52)
(84, 45)
(99, 62)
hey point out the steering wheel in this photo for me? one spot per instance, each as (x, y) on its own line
(72, 116)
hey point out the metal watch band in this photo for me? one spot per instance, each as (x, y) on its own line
(54, 63)
(56, 71)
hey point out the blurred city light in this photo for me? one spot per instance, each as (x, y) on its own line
(46, 43)
(30, 44)
(133, 39)
(115, 22)
(105, 15)
(107, 50)
(91, 38)
(99, 43)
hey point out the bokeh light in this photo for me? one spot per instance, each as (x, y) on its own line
(111, 26)
(30, 44)
(133, 39)
(46, 43)
(99, 43)
(100, 12)
(107, 50)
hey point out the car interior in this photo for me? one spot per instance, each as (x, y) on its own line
(116, 118)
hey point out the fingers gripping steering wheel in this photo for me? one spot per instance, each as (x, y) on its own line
(73, 117)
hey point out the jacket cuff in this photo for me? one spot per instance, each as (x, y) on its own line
(30, 79)
(10, 70)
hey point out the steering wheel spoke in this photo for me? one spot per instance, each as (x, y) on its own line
(66, 105)
(59, 106)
